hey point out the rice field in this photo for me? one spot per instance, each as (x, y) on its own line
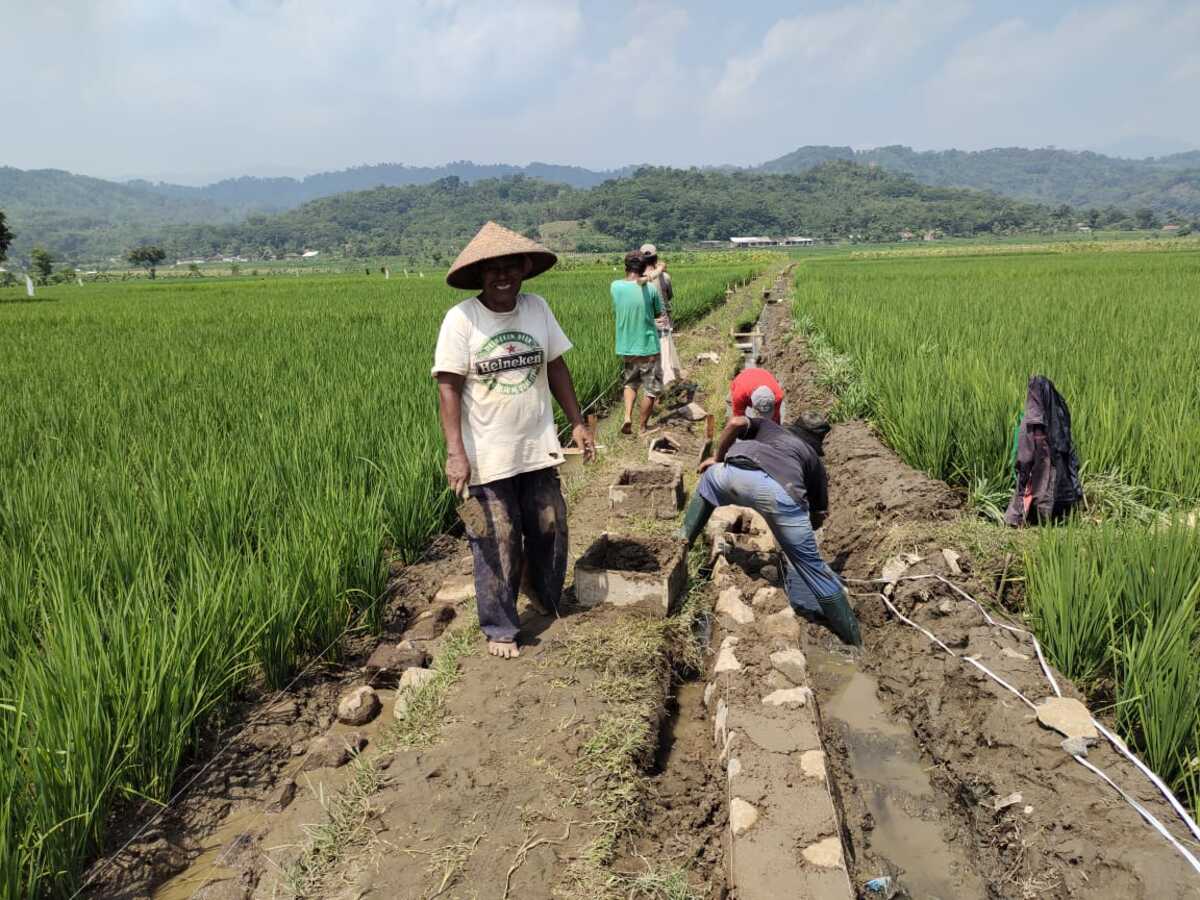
(200, 487)
(937, 352)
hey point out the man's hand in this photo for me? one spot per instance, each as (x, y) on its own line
(458, 472)
(711, 461)
(583, 440)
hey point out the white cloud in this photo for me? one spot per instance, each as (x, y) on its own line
(1097, 73)
(838, 49)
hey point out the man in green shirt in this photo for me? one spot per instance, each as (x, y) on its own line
(635, 307)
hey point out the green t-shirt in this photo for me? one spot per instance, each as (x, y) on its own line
(635, 307)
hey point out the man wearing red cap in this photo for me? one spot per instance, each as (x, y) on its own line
(744, 386)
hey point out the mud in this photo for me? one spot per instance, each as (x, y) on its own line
(622, 554)
(1071, 835)
(648, 475)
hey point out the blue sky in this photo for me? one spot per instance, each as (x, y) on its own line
(199, 90)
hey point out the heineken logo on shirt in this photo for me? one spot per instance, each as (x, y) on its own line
(510, 362)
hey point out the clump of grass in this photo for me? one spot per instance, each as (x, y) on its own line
(1118, 610)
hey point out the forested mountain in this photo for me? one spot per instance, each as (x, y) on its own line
(77, 216)
(670, 206)
(276, 194)
(1167, 185)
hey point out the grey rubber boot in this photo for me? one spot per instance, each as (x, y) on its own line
(840, 618)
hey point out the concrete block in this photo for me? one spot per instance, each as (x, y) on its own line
(650, 574)
(663, 450)
(647, 491)
(826, 853)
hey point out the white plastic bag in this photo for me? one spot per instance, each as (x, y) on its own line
(669, 359)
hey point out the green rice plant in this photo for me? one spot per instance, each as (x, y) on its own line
(1118, 609)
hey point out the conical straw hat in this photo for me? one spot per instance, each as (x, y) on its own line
(493, 241)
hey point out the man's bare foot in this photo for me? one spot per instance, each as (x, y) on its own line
(504, 649)
(627, 428)
(538, 607)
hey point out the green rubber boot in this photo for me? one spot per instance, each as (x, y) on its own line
(840, 618)
(695, 517)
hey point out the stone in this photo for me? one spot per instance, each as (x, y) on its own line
(283, 795)
(1067, 716)
(358, 706)
(456, 590)
(333, 750)
(730, 604)
(1013, 654)
(734, 768)
(999, 803)
(730, 740)
(827, 853)
(770, 574)
(432, 622)
(895, 567)
(945, 608)
(389, 661)
(791, 698)
(709, 357)
(720, 721)
(952, 557)
(694, 412)
(1075, 746)
(768, 598)
(783, 625)
(726, 661)
(722, 571)
(742, 816)
(792, 664)
(812, 764)
(410, 681)
(710, 690)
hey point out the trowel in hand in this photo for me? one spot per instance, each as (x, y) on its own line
(472, 514)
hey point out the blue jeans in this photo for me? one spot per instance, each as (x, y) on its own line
(806, 575)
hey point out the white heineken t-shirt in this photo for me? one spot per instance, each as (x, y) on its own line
(507, 409)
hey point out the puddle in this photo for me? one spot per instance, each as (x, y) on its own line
(209, 864)
(887, 769)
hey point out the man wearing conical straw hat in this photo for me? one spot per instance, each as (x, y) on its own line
(498, 363)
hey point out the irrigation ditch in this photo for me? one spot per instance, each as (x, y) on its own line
(623, 755)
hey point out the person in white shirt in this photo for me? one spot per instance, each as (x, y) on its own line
(498, 362)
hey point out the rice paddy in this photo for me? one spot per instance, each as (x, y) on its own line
(937, 352)
(202, 484)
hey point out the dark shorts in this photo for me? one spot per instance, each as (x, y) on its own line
(644, 372)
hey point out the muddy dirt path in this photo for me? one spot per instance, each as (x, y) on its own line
(584, 769)
(929, 754)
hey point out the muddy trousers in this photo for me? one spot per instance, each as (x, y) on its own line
(527, 522)
(807, 576)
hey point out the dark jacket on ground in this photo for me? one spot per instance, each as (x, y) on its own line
(1047, 468)
(788, 460)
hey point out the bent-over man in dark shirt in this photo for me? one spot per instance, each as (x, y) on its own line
(770, 469)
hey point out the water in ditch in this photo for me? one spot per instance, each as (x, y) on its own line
(886, 768)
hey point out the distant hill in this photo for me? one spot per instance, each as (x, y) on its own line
(276, 194)
(79, 217)
(668, 206)
(1167, 184)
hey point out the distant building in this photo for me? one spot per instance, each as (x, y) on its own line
(906, 235)
(309, 254)
(753, 241)
(1082, 226)
(796, 241)
(1170, 228)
